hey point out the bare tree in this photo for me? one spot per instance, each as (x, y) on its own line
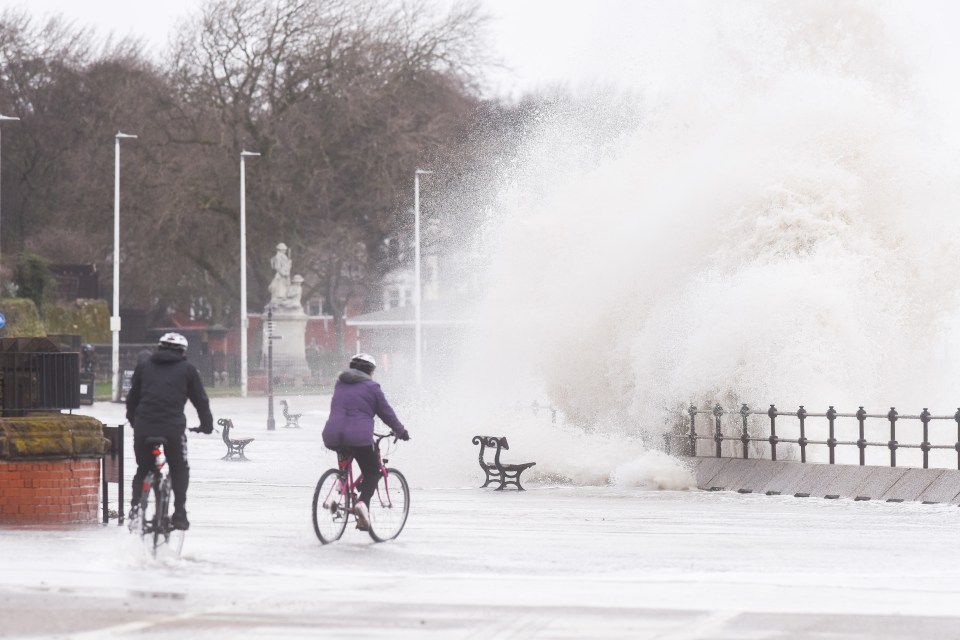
(342, 99)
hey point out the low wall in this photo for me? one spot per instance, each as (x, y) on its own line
(49, 492)
(50, 469)
(890, 484)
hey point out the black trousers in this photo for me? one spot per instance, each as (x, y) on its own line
(176, 455)
(369, 463)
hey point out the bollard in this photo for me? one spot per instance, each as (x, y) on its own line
(744, 436)
(956, 417)
(925, 445)
(862, 442)
(802, 441)
(892, 417)
(772, 412)
(718, 436)
(693, 428)
(831, 441)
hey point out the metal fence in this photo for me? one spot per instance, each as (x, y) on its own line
(39, 382)
(825, 429)
(536, 408)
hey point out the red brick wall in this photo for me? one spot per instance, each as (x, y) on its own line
(49, 491)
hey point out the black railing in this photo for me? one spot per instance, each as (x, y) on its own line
(39, 382)
(688, 434)
(536, 407)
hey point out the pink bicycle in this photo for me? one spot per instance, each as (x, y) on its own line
(336, 496)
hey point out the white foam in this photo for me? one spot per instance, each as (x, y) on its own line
(780, 227)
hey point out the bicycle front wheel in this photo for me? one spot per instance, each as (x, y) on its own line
(151, 512)
(389, 507)
(330, 506)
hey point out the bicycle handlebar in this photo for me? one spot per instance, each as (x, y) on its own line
(380, 436)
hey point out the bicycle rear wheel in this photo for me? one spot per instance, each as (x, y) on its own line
(331, 506)
(161, 534)
(389, 507)
(151, 514)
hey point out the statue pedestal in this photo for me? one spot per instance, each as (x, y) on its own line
(289, 352)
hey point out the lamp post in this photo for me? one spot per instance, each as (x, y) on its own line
(115, 318)
(417, 293)
(271, 423)
(6, 119)
(244, 321)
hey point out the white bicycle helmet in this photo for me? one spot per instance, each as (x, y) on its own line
(363, 362)
(173, 341)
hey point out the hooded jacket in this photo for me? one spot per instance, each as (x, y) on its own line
(159, 390)
(356, 400)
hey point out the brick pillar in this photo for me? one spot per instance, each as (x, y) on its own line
(49, 491)
(50, 469)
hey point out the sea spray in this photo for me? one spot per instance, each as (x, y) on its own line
(776, 226)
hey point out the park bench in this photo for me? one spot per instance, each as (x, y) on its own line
(497, 471)
(293, 419)
(235, 446)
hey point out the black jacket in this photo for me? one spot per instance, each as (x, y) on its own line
(159, 390)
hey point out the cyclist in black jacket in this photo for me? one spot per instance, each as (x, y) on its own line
(159, 390)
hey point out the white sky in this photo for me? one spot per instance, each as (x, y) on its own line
(545, 42)
(540, 42)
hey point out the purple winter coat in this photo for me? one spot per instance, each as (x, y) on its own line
(356, 400)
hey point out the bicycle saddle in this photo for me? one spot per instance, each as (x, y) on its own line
(156, 440)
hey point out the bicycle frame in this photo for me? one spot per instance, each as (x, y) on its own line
(336, 498)
(346, 468)
(158, 469)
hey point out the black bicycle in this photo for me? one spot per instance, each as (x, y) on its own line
(153, 521)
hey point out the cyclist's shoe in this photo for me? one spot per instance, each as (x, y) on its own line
(133, 518)
(363, 516)
(179, 521)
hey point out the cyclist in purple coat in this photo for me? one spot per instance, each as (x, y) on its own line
(357, 399)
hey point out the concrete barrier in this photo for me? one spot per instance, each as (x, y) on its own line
(894, 484)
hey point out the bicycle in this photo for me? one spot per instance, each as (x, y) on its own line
(336, 496)
(153, 518)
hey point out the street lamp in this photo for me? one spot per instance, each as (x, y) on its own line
(244, 321)
(6, 119)
(417, 294)
(115, 318)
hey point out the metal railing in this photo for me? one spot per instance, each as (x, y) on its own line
(39, 382)
(690, 436)
(535, 408)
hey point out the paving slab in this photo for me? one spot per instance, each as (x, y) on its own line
(912, 484)
(707, 468)
(760, 475)
(945, 489)
(878, 481)
(733, 475)
(846, 481)
(821, 480)
(784, 480)
(816, 481)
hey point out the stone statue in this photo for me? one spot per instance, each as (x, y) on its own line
(291, 301)
(280, 284)
(294, 291)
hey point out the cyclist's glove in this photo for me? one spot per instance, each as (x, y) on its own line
(404, 436)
